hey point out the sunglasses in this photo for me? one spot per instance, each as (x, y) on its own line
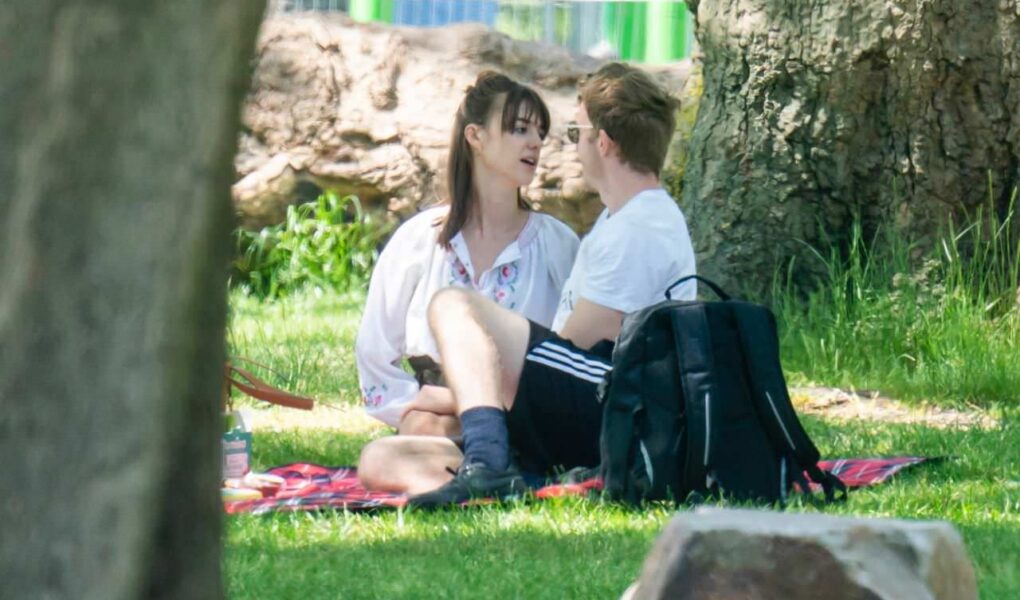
(574, 131)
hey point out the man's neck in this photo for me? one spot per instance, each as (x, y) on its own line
(619, 187)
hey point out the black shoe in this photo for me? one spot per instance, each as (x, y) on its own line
(472, 482)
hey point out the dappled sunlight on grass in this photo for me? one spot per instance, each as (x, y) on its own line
(564, 547)
(306, 340)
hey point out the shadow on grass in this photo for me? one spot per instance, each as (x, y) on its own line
(576, 548)
(320, 446)
(470, 559)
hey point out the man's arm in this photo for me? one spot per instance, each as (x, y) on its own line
(432, 412)
(591, 323)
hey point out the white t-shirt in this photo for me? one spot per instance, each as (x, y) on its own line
(526, 277)
(629, 258)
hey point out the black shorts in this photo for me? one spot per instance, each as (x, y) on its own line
(555, 420)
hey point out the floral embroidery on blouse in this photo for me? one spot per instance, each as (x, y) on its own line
(504, 292)
(373, 395)
(506, 279)
(458, 272)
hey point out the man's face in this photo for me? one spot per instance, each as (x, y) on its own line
(587, 148)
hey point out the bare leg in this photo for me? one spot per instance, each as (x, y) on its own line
(407, 463)
(482, 346)
(423, 422)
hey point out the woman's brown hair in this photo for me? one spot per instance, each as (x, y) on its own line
(476, 108)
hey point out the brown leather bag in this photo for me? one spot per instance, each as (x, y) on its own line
(244, 380)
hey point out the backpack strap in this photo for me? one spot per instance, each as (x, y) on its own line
(694, 355)
(711, 284)
(759, 338)
(615, 439)
(832, 486)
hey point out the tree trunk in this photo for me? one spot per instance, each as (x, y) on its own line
(118, 125)
(897, 110)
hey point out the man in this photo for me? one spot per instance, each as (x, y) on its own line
(519, 387)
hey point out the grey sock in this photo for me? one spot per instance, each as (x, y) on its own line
(486, 439)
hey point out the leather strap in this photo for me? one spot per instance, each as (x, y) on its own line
(248, 383)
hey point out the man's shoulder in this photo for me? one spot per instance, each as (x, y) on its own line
(654, 205)
(648, 212)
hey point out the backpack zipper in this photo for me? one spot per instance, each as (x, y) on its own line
(708, 426)
(782, 426)
(648, 462)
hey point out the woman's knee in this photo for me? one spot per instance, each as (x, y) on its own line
(374, 464)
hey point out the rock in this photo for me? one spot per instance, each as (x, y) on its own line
(761, 555)
(367, 109)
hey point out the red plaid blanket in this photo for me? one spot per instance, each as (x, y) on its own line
(311, 487)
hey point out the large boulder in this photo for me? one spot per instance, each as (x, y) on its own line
(367, 109)
(759, 555)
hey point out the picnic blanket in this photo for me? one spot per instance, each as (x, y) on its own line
(312, 487)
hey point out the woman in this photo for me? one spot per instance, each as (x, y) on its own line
(485, 237)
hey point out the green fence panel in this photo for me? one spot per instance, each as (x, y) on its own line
(625, 24)
(361, 10)
(666, 38)
(371, 10)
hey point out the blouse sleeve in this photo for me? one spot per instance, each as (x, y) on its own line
(560, 252)
(386, 388)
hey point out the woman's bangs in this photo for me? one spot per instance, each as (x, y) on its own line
(534, 109)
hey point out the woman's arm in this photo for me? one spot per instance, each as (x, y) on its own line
(386, 388)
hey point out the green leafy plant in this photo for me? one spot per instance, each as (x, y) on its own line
(329, 243)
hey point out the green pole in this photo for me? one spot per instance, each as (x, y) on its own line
(631, 17)
(681, 23)
(609, 24)
(666, 40)
(384, 11)
(362, 11)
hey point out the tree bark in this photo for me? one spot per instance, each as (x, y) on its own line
(118, 125)
(897, 110)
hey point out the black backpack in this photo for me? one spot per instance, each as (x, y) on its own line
(696, 406)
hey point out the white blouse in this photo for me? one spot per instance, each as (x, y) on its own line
(526, 277)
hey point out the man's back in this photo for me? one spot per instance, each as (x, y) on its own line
(630, 257)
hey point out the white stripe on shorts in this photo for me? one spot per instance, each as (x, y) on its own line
(572, 363)
(565, 369)
(597, 369)
(574, 357)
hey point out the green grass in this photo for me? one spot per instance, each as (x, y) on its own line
(941, 325)
(579, 548)
(306, 339)
(568, 548)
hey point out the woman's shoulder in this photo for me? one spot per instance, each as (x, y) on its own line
(422, 228)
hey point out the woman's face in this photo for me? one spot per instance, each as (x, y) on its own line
(512, 155)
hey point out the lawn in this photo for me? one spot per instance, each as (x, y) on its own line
(569, 548)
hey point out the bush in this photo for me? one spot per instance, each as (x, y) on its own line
(329, 244)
